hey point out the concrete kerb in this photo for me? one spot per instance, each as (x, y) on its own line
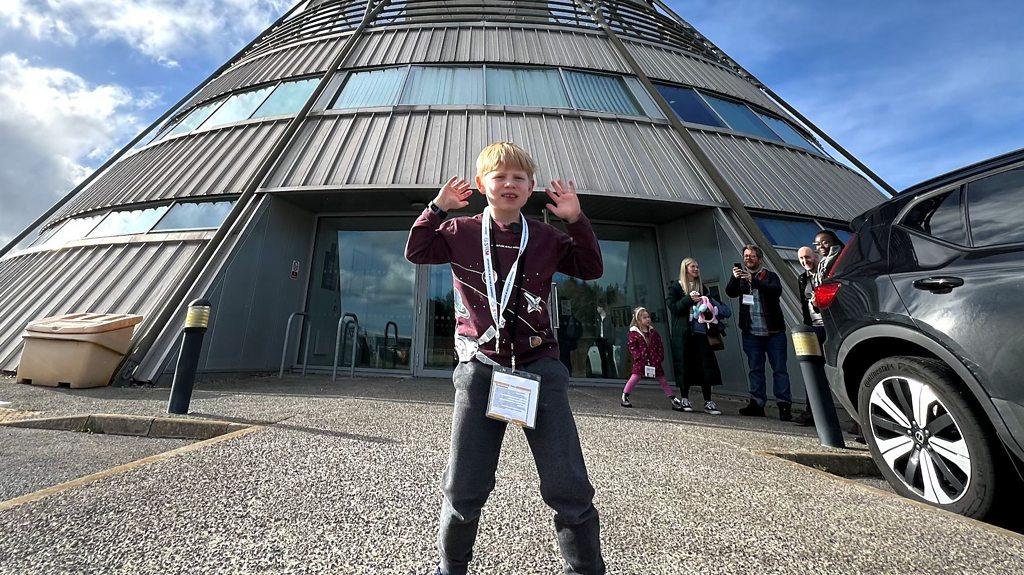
(133, 425)
(843, 464)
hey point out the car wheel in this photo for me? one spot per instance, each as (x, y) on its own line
(926, 437)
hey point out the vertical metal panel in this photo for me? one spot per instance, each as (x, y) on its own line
(776, 178)
(604, 156)
(254, 295)
(113, 278)
(476, 43)
(665, 64)
(214, 162)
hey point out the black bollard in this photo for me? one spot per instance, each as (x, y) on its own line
(819, 396)
(188, 358)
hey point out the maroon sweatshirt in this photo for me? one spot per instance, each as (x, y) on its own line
(457, 241)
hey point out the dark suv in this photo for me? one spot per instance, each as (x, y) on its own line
(924, 311)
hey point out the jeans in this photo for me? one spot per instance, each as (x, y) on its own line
(476, 443)
(756, 347)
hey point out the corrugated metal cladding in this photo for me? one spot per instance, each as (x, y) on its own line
(776, 178)
(121, 278)
(215, 162)
(486, 44)
(308, 58)
(660, 63)
(604, 156)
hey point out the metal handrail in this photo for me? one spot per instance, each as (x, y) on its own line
(287, 332)
(348, 318)
(395, 349)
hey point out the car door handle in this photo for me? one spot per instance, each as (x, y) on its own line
(939, 284)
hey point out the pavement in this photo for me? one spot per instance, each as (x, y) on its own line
(344, 478)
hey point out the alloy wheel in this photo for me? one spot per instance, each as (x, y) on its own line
(919, 439)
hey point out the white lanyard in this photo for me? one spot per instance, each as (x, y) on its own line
(491, 276)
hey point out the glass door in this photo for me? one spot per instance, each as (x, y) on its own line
(360, 271)
(594, 316)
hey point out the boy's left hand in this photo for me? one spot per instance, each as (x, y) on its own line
(566, 203)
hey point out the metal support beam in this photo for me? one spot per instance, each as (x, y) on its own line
(144, 341)
(778, 99)
(127, 147)
(747, 223)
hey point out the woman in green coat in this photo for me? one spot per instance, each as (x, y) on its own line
(693, 359)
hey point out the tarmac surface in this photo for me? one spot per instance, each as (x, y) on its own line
(345, 478)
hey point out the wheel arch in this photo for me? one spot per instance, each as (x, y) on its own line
(864, 347)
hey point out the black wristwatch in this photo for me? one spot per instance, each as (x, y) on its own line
(437, 210)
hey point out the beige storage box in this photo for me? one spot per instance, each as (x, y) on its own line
(76, 350)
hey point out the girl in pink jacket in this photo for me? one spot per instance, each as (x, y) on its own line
(648, 352)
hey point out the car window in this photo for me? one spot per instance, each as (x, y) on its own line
(940, 217)
(994, 208)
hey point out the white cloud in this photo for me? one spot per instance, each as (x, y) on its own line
(164, 30)
(52, 122)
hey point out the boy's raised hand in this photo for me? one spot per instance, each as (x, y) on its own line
(566, 203)
(454, 194)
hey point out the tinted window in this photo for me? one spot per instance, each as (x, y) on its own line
(238, 107)
(373, 88)
(788, 233)
(195, 118)
(740, 118)
(451, 86)
(994, 205)
(525, 87)
(643, 97)
(689, 106)
(72, 230)
(600, 93)
(938, 216)
(788, 133)
(288, 98)
(128, 222)
(194, 215)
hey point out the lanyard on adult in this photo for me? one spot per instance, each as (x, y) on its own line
(491, 276)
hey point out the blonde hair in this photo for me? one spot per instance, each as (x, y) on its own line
(685, 281)
(504, 154)
(636, 317)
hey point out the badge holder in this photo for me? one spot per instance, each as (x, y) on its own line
(649, 371)
(513, 397)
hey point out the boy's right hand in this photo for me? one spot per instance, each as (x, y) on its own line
(454, 195)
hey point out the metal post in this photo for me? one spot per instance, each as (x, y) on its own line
(819, 397)
(196, 321)
(287, 332)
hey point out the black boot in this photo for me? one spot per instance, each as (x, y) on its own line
(805, 419)
(785, 412)
(752, 409)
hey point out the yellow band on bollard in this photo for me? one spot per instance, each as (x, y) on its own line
(805, 343)
(198, 316)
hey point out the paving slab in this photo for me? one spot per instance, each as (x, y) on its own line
(345, 479)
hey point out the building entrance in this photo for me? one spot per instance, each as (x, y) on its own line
(359, 268)
(594, 316)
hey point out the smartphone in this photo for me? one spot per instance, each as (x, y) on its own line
(737, 266)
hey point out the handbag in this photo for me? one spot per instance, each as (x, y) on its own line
(716, 336)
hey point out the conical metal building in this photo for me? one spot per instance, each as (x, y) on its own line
(283, 187)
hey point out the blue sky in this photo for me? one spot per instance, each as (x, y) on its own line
(913, 89)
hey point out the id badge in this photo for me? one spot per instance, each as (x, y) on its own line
(748, 299)
(513, 397)
(648, 371)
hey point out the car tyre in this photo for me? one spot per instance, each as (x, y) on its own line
(926, 436)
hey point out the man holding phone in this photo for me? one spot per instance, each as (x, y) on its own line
(763, 332)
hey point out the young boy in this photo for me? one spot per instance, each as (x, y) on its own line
(499, 326)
